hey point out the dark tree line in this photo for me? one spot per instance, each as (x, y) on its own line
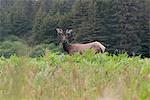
(121, 25)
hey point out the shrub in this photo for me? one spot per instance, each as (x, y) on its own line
(8, 48)
(39, 50)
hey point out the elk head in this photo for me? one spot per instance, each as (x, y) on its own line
(64, 36)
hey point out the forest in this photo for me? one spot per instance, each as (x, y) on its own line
(27, 27)
(34, 66)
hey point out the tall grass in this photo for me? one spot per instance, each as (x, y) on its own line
(75, 77)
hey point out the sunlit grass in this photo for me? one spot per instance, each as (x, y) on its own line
(75, 77)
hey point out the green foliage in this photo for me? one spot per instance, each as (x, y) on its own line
(122, 25)
(86, 76)
(13, 47)
(8, 48)
(39, 50)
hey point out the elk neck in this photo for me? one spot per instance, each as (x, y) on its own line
(66, 46)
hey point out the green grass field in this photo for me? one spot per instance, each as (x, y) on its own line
(76, 77)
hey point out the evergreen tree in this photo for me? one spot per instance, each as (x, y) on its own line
(127, 26)
(81, 20)
(119, 24)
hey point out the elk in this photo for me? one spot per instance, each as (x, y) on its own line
(64, 36)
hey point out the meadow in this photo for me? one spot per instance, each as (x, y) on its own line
(58, 76)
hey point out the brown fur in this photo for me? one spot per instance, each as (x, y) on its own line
(97, 46)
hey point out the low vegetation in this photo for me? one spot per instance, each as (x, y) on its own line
(58, 76)
(20, 48)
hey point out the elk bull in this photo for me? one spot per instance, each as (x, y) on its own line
(77, 47)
